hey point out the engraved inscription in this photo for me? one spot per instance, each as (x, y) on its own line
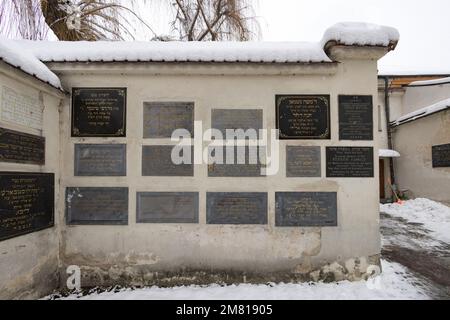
(306, 209)
(235, 119)
(97, 206)
(441, 156)
(238, 161)
(236, 208)
(167, 207)
(100, 160)
(21, 109)
(355, 117)
(162, 118)
(350, 162)
(20, 147)
(99, 112)
(157, 161)
(303, 116)
(303, 161)
(26, 203)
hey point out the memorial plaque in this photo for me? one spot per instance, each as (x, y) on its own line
(157, 161)
(355, 117)
(303, 116)
(97, 206)
(167, 207)
(100, 160)
(305, 209)
(235, 119)
(18, 147)
(26, 203)
(21, 109)
(99, 112)
(238, 161)
(303, 161)
(441, 156)
(162, 118)
(236, 208)
(350, 162)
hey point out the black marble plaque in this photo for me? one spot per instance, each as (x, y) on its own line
(303, 116)
(236, 208)
(441, 156)
(167, 207)
(238, 161)
(248, 121)
(157, 161)
(26, 203)
(99, 112)
(303, 161)
(18, 147)
(350, 162)
(306, 209)
(100, 160)
(355, 117)
(96, 206)
(162, 118)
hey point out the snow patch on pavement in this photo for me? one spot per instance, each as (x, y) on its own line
(394, 283)
(434, 216)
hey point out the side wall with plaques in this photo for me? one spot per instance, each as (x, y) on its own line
(415, 170)
(29, 242)
(135, 249)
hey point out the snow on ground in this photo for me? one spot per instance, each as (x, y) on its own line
(394, 283)
(432, 215)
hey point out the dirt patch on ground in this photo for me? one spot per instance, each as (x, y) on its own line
(411, 245)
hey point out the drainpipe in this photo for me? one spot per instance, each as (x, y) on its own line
(388, 128)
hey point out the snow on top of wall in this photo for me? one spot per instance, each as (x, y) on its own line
(361, 34)
(430, 82)
(14, 55)
(388, 153)
(441, 105)
(176, 51)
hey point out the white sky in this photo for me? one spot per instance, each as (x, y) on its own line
(424, 27)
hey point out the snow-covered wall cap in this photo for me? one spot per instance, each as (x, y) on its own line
(24, 60)
(176, 51)
(426, 83)
(423, 112)
(361, 34)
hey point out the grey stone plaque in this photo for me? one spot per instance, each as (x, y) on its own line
(157, 161)
(245, 119)
(162, 118)
(236, 208)
(100, 160)
(167, 207)
(350, 162)
(96, 206)
(303, 161)
(306, 209)
(238, 161)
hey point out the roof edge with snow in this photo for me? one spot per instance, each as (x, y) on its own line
(423, 112)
